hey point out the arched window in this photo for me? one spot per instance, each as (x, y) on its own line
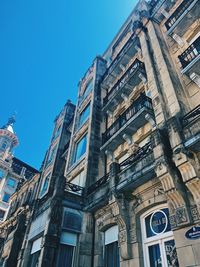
(158, 242)
(112, 258)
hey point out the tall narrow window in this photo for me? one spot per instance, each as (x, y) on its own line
(80, 148)
(112, 258)
(88, 89)
(84, 115)
(35, 252)
(67, 249)
(51, 155)
(11, 182)
(2, 213)
(6, 197)
(45, 185)
(1, 174)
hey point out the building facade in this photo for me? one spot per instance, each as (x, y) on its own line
(12, 170)
(120, 185)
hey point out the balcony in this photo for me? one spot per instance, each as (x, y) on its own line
(189, 59)
(191, 129)
(129, 122)
(183, 17)
(73, 188)
(128, 50)
(103, 180)
(132, 77)
(137, 169)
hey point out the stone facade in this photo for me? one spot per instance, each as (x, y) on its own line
(130, 194)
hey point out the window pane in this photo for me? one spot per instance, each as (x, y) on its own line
(2, 213)
(45, 185)
(80, 148)
(11, 182)
(88, 89)
(112, 258)
(171, 254)
(154, 256)
(65, 257)
(6, 197)
(84, 116)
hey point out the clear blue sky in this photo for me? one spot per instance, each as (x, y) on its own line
(46, 47)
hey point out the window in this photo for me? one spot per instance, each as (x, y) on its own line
(88, 89)
(112, 258)
(35, 252)
(45, 185)
(79, 179)
(51, 155)
(1, 174)
(2, 213)
(67, 247)
(84, 115)
(57, 132)
(158, 242)
(6, 197)
(4, 145)
(80, 148)
(11, 182)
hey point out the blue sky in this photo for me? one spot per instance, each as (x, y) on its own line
(46, 46)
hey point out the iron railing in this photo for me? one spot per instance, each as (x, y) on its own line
(177, 13)
(190, 53)
(97, 184)
(138, 104)
(134, 67)
(191, 116)
(138, 155)
(74, 188)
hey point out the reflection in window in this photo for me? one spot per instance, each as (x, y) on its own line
(11, 182)
(45, 185)
(88, 89)
(57, 132)
(80, 148)
(51, 155)
(6, 197)
(84, 115)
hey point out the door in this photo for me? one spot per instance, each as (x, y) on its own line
(158, 242)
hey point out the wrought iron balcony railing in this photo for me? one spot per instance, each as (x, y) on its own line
(139, 154)
(191, 116)
(190, 53)
(79, 190)
(137, 64)
(97, 184)
(177, 13)
(138, 104)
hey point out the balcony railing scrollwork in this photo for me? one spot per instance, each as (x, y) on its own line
(190, 53)
(97, 184)
(178, 13)
(138, 104)
(74, 188)
(139, 154)
(134, 67)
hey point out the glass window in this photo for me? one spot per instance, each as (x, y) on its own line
(1, 174)
(45, 185)
(66, 249)
(4, 145)
(84, 115)
(51, 155)
(57, 132)
(11, 182)
(80, 148)
(6, 197)
(35, 252)
(88, 89)
(2, 213)
(112, 258)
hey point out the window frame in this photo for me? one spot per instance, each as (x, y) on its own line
(75, 156)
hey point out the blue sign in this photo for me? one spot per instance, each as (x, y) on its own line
(193, 233)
